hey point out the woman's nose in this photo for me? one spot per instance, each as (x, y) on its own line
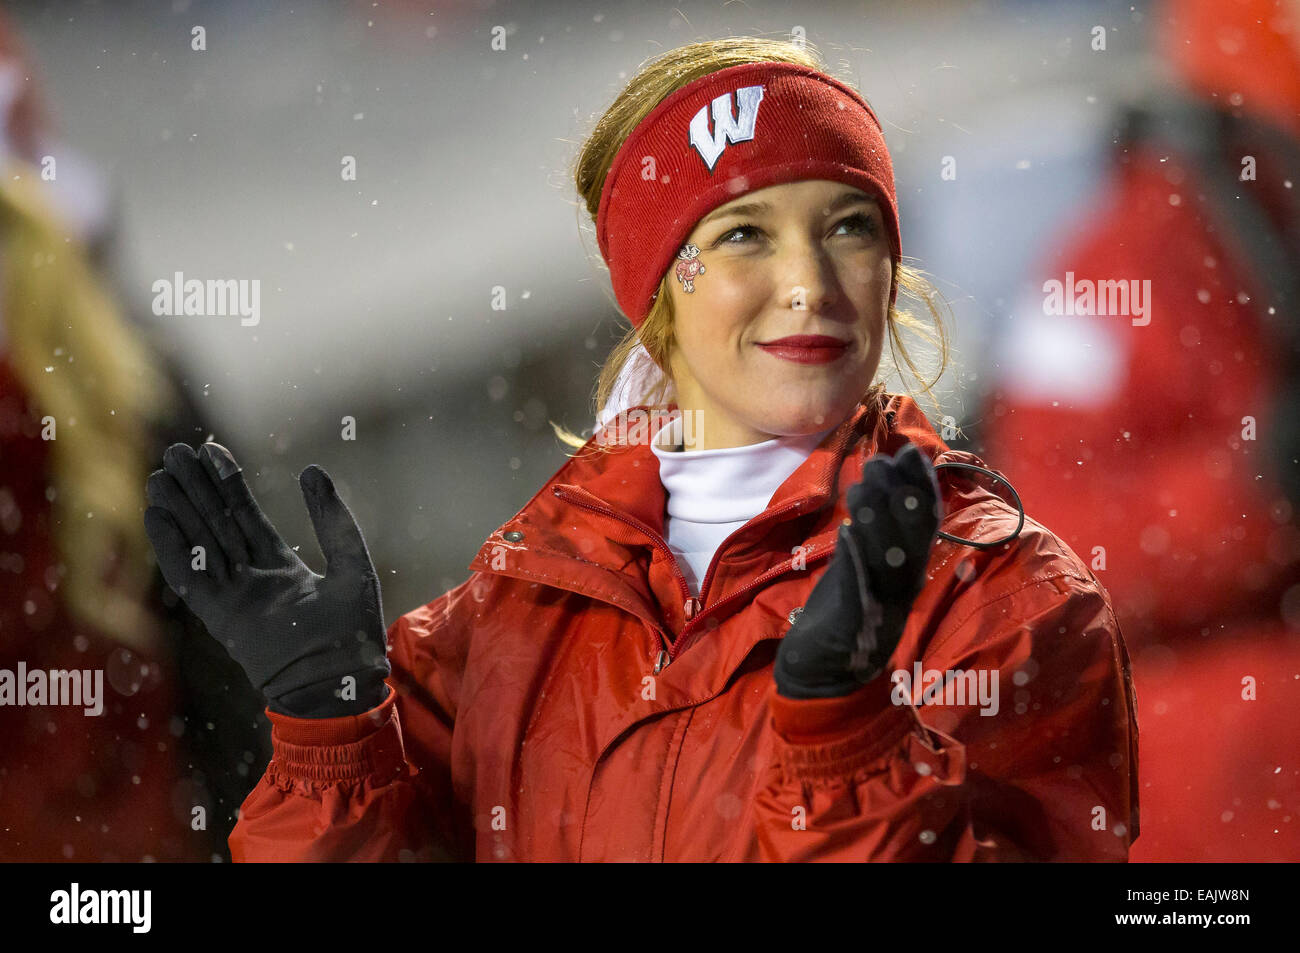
(811, 281)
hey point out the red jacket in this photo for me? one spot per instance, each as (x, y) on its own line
(571, 701)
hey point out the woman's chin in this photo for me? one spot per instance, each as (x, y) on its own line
(787, 421)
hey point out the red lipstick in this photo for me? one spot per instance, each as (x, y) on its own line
(806, 348)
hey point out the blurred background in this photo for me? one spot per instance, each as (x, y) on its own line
(1029, 138)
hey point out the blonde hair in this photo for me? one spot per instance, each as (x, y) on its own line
(81, 364)
(656, 80)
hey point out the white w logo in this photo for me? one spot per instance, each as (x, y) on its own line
(725, 128)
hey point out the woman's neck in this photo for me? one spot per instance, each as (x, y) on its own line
(686, 432)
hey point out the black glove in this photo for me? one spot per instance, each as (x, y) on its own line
(296, 634)
(855, 616)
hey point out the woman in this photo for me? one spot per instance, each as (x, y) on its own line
(714, 652)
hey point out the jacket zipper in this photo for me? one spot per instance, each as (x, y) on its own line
(688, 635)
(693, 608)
(690, 605)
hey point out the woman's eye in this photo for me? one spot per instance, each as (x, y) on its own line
(723, 238)
(865, 224)
(860, 223)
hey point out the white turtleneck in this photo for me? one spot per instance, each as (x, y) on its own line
(712, 493)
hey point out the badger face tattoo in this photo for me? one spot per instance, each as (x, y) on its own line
(688, 266)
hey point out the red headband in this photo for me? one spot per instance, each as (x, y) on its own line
(771, 123)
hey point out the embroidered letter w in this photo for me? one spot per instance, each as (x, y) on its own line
(725, 126)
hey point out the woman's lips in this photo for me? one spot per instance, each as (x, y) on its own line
(807, 348)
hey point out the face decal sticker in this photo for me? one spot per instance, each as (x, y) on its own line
(688, 266)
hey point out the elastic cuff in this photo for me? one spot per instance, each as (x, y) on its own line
(339, 749)
(831, 737)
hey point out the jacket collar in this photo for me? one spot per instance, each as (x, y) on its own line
(603, 511)
(596, 526)
(624, 476)
(628, 480)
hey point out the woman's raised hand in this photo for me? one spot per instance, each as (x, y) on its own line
(315, 646)
(855, 616)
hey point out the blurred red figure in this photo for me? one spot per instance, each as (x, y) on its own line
(1163, 452)
(77, 589)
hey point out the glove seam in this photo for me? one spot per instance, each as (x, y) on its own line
(331, 681)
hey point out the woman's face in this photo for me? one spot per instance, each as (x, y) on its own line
(796, 260)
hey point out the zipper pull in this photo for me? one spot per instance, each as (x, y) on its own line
(661, 661)
(691, 607)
